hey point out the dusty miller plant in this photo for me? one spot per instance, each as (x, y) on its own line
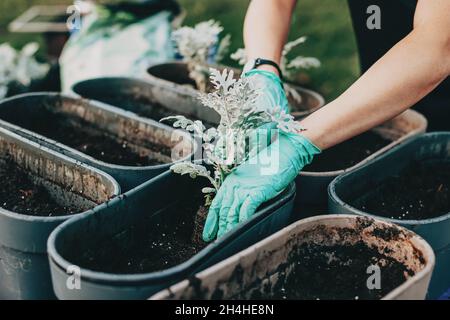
(19, 67)
(289, 67)
(226, 146)
(195, 44)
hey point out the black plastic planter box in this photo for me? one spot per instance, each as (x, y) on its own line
(142, 98)
(23, 112)
(151, 198)
(312, 186)
(436, 230)
(24, 269)
(171, 79)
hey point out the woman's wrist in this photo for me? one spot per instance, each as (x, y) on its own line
(267, 67)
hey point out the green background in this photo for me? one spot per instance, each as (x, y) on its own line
(326, 23)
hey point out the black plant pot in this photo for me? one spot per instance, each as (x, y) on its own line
(355, 185)
(142, 98)
(30, 115)
(152, 199)
(312, 186)
(24, 269)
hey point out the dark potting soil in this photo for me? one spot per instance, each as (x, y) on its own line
(146, 246)
(420, 191)
(142, 107)
(80, 135)
(338, 272)
(348, 153)
(136, 104)
(18, 193)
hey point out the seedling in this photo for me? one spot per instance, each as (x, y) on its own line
(226, 146)
(289, 67)
(19, 67)
(196, 45)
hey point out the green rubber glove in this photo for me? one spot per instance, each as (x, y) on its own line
(272, 91)
(272, 95)
(256, 181)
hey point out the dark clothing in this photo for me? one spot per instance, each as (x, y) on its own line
(146, 8)
(397, 17)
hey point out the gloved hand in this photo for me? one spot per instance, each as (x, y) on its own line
(272, 95)
(272, 91)
(256, 181)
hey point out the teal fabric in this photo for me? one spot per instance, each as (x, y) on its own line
(256, 181)
(116, 44)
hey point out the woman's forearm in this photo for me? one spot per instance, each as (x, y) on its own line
(266, 28)
(408, 72)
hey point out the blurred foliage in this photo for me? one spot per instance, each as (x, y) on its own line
(326, 23)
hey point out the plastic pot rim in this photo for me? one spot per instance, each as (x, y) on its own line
(107, 108)
(30, 218)
(72, 91)
(158, 276)
(106, 78)
(333, 196)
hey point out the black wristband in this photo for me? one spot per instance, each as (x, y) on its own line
(261, 62)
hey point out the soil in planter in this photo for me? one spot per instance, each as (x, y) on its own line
(141, 106)
(136, 104)
(348, 153)
(146, 246)
(19, 194)
(420, 191)
(338, 272)
(81, 135)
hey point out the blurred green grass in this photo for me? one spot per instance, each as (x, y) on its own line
(326, 23)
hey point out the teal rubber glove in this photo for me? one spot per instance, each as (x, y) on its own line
(272, 91)
(256, 181)
(272, 95)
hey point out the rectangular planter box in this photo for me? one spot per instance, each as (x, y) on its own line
(151, 199)
(24, 112)
(258, 270)
(24, 269)
(171, 78)
(142, 98)
(435, 230)
(312, 186)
